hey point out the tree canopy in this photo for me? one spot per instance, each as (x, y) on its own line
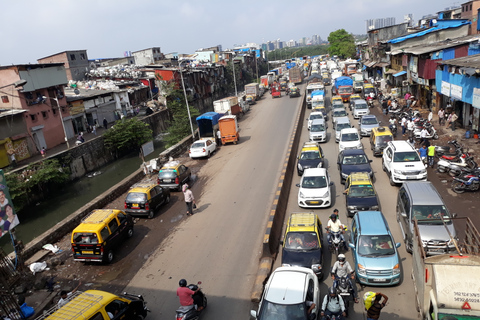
(342, 44)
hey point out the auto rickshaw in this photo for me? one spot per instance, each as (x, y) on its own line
(283, 85)
(379, 138)
(250, 99)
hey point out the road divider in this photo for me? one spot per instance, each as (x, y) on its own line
(273, 231)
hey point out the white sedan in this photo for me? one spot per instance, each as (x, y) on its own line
(202, 148)
(314, 189)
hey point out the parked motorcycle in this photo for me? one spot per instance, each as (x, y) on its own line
(456, 170)
(432, 132)
(464, 161)
(469, 182)
(441, 151)
(192, 312)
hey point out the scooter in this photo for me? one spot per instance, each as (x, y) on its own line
(470, 182)
(192, 312)
(432, 133)
(464, 161)
(441, 151)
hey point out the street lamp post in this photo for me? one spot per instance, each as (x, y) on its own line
(256, 66)
(16, 84)
(186, 100)
(234, 78)
(61, 119)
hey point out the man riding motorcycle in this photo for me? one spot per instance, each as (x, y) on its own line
(185, 295)
(334, 225)
(341, 269)
(333, 305)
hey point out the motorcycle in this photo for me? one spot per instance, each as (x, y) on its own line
(370, 102)
(344, 290)
(470, 182)
(441, 151)
(393, 129)
(432, 132)
(463, 161)
(192, 312)
(456, 170)
(336, 243)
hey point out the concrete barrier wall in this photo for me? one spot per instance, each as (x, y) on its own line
(69, 223)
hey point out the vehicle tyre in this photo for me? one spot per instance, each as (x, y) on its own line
(392, 183)
(209, 154)
(383, 167)
(130, 233)
(205, 302)
(408, 246)
(150, 214)
(108, 258)
(457, 187)
(435, 136)
(441, 169)
(453, 173)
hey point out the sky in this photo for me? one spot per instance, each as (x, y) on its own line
(33, 29)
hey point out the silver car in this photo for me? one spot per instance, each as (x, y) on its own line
(367, 123)
(360, 108)
(341, 123)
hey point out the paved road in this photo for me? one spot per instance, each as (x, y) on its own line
(220, 246)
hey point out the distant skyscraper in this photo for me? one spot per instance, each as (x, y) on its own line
(389, 22)
(291, 43)
(379, 23)
(408, 18)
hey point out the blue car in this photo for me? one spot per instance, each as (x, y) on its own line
(374, 250)
(353, 160)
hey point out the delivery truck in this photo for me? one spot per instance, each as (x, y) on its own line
(357, 82)
(228, 105)
(229, 130)
(295, 75)
(447, 286)
(208, 125)
(264, 81)
(253, 89)
(344, 88)
(310, 88)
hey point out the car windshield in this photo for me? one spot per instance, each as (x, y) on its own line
(361, 191)
(345, 90)
(350, 137)
(337, 103)
(316, 116)
(339, 113)
(317, 128)
(368, 90)
(273, 311)
(361, 106)
(166, 174)
(431, 214)
(355, 159)
(314, 182)
(406, 156)
(310, 155)
(369, 121)
(341, 126)
(383, 140)
(198, 145)
(301, 241)
(375, 245)
(136, 197)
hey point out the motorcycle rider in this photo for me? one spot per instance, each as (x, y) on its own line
(342, 268)
(392, 121)
(185, 295)
(333, 304)
(335, 225)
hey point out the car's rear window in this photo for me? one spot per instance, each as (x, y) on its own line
(85, 238)
(136, 197)
(168, 173)
(198, 145)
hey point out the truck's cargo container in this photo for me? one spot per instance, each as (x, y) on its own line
(295, 75)
(344, 88)
(228, 105)
(208, 124)
(264, 81)
(447, 286)
(253, 89)
(229, 130)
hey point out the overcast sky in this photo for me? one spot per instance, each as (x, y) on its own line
(32, 29)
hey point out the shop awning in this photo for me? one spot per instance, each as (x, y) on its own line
(369, 63)
(391, 71)
(401, 73)
(381, 64)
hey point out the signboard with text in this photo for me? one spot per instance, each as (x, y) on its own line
(476, 98)
(8, 217)
(445, 88)
(456, 92)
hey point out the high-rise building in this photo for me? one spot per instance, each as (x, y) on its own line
(409, 19)
(389, 22)
(291, 43)
(369, 24)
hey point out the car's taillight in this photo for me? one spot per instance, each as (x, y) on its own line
(158, 180)
(125, 205)
(147, 206)
(203, 150)
(177, 180)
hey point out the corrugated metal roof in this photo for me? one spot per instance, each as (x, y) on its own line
(427, 31)
(468, 62)
(11, 112)
(426, 48)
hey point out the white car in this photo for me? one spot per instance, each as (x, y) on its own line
(202, 148)
(340, 124)
(360, 108)
(288, 293)
(313, 116)
(314, 189)
(349, 139)
(402, 163)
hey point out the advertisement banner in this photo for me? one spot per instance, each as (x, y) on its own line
(445, 89)
(476, 98)
(456, 92)
(8, 217)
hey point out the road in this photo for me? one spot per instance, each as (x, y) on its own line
(220, 245)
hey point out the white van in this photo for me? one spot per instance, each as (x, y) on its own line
(318, 130)
(349, 139)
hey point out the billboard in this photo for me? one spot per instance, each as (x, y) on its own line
(8, 217)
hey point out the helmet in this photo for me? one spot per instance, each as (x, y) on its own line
(182, 283)
(332, 290)
(341, 257)
(333, 216)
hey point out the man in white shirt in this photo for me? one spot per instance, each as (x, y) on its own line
(404, 125)
(334, 225)
(423, 135)
(64, 296)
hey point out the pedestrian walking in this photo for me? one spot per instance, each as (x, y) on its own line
(219, 138)
(410, 127)
(441, 117)
(453, 120)
(373, 313)
(431, 155)
(189, 199)
(423, 135)
(105, 123)
(403, 124)
(94, 129)
(43, 152)
(13, 158)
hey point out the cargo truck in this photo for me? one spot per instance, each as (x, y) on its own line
(310, 88)
(264, 81)
(357, 82)
(295, 75)
(208, 125)
(229, 130)
(344, 88)
(447, 286)
(228, 105)
(253, 89)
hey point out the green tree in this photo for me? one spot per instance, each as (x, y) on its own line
(296, 52)
(126, 135)
(342, 44)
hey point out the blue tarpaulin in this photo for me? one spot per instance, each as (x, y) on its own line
(317, 93)
(430, 30)
(206, 122)
(401, 73)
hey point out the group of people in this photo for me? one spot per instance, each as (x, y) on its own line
(450, 118)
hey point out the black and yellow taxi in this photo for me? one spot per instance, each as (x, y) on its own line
(99, 234)
(99, 305)
(144, 198)
(360, 193)
(311, 156)
(302, 244)
(173, 175)
(379, 138)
